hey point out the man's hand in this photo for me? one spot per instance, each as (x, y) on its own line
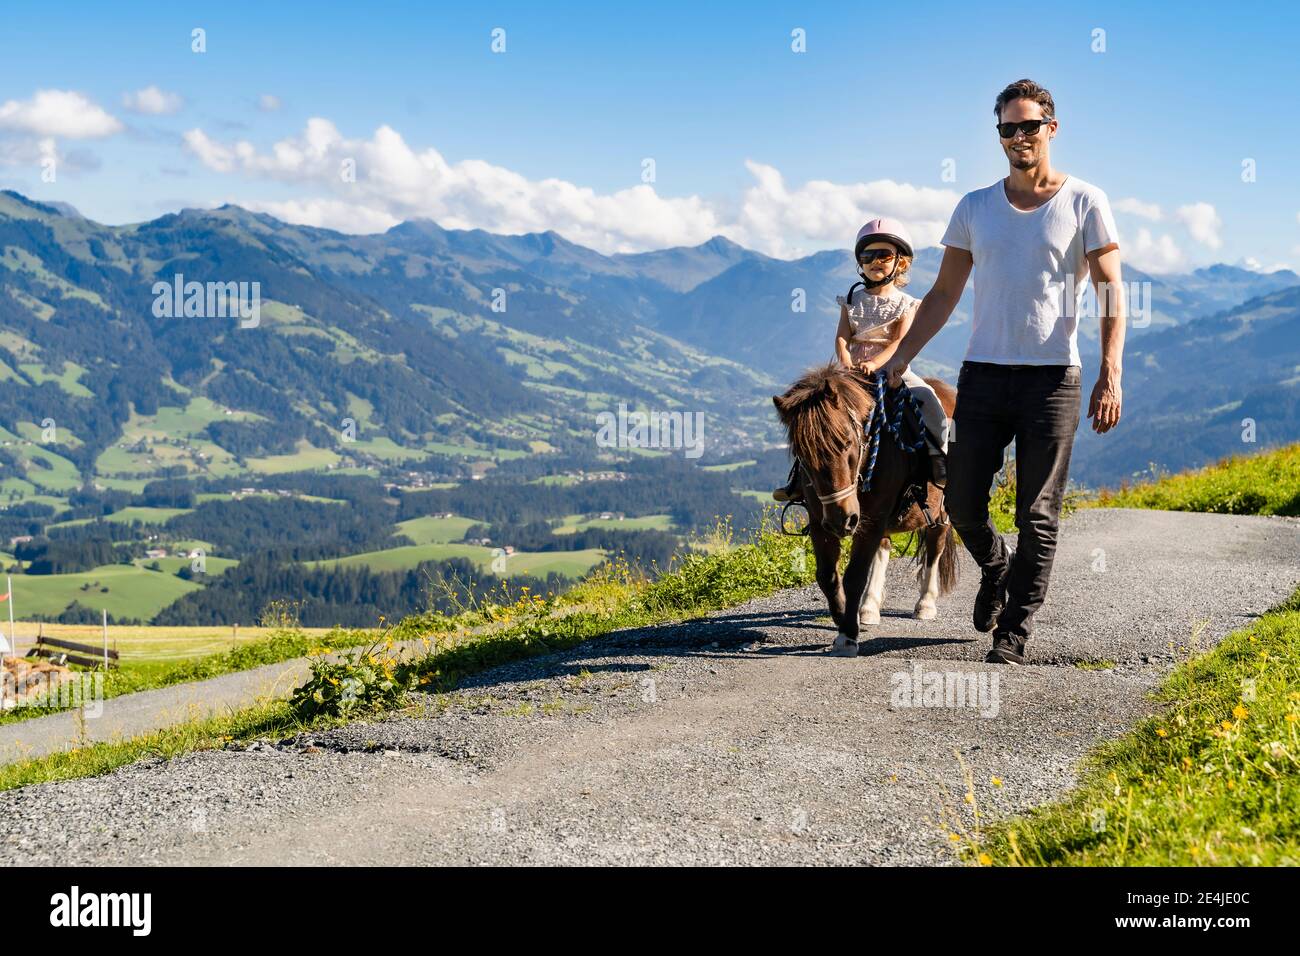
(894, 370)
(1105, 405)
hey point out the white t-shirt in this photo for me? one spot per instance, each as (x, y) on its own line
(1031, 270)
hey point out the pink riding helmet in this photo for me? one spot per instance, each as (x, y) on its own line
(884, 230)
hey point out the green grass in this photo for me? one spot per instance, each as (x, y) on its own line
(430, 530)
(571, 564)
(573, 523)
(1214, 779)
(133, 591)
(305, 458)
(1267, 483)
(126, 516)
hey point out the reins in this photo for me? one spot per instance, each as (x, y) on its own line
(882, 419)
(886, 416)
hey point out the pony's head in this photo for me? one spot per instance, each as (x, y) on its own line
(824, 413)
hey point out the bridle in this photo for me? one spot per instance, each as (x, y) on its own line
(853, 486)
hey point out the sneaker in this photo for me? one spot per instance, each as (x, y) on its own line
(791, 492)
(992, 597)
(1006, 650)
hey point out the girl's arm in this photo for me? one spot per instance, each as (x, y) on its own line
(842, 335)
(886, 353)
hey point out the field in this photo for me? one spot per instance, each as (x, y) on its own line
(145, 644)
(572, 564)
(129, 515)
(124, 590)
(573, 523)
(430, 530)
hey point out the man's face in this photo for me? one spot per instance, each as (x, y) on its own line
(1026, 151)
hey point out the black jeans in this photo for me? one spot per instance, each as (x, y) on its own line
(1038, 407)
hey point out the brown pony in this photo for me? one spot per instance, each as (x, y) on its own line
(824, 414)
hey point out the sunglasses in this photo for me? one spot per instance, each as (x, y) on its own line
(1028, 127)
(868, 256)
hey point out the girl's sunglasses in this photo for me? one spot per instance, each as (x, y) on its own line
(868, 256)
(1028, 127)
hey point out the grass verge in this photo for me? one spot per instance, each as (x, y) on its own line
(1261, 484)
(1213, 780)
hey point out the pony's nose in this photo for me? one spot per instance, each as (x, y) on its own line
(845, 526)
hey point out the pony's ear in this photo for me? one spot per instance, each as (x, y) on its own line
(782, 403)
(831, 392)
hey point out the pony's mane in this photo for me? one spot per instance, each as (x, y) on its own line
(813, 412)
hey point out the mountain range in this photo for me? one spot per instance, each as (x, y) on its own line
(454, 349)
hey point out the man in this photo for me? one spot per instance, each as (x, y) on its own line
(1030, 238)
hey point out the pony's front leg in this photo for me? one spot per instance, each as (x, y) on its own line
(826, 550)
(855, 583)
(874, 596)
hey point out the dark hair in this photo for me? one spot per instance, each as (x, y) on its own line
(1025, 90)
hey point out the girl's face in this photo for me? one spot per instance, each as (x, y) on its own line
(882, 265)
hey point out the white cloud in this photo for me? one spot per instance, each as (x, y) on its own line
(1254, 265)
(268, 103)
(153, 102)
(63, 113)
(1154, 254)
(1202, 222)
(395, 182)
(326, 214)
(1136, 207)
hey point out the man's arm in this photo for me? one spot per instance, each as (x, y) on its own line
(881, 358)
(934, 310)
(1107, 399)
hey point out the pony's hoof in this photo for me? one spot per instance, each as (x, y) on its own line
(868, 618)
(925, 612)
(844, 647)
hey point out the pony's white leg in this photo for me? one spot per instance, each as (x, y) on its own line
(925, 607)
(874, 595)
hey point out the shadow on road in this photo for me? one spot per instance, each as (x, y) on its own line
(805, 633)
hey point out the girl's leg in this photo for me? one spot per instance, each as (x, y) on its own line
(936, 419)
(793, 489)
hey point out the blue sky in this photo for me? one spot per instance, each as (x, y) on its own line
(783, 151)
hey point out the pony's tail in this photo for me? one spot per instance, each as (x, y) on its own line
(948, 558)
(948, 563)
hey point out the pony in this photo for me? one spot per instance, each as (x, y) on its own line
(825, 414)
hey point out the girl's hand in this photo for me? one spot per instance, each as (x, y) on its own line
(867, 368)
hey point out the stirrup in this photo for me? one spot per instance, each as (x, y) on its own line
(785, 530)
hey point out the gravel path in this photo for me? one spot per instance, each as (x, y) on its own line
(727, 740)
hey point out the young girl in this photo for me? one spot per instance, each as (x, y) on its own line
(874, 317)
